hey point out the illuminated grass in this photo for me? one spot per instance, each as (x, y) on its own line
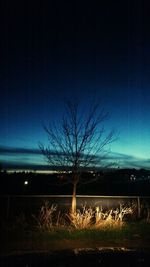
(50, 230)
(128, 230)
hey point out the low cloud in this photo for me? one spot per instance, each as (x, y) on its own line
(13, 150)
(31, 158)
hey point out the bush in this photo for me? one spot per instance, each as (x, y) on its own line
(113, 218)
(88, 217)
(48, 218)
(82, 219)
(44, 219)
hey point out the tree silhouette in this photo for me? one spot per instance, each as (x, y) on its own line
(77, 141)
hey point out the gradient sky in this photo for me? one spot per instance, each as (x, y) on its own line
(55, 50)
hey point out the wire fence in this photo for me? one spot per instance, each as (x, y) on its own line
(13, 205)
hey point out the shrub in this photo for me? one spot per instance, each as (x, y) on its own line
(113, 218)
(48, 219)
(81, 219)
(44, 219)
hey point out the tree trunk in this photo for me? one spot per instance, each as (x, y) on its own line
(74, 201)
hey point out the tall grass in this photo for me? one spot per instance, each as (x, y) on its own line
(112, 217)
(81, 218)
(49, 218)
(44, 219)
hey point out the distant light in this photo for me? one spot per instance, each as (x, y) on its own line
(132, 177)
(25, 182)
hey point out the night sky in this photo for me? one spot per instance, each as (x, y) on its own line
(55, 50)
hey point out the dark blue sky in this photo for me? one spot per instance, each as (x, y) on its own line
(55, 50)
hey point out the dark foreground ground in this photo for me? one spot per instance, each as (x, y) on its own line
(80, 257)
(125, 246)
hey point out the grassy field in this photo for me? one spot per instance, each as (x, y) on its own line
(49, 230)
(135, 235)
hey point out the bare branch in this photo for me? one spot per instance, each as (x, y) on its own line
(78, 140)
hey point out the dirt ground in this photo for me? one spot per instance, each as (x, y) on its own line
(59, 245)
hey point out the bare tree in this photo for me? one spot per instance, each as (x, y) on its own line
(77, 141)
